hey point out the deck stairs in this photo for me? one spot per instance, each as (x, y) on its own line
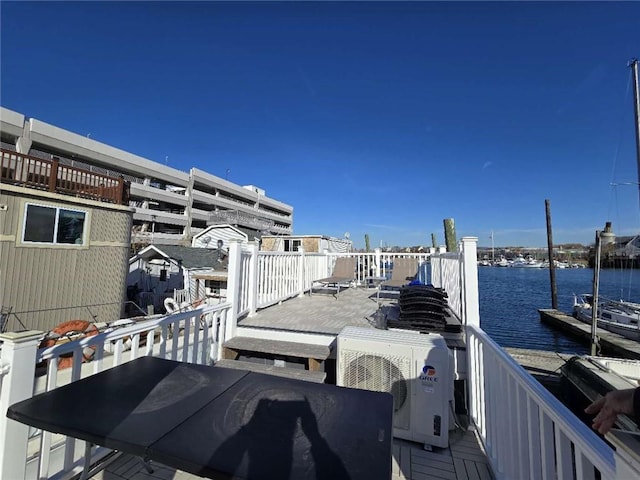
(302, 361)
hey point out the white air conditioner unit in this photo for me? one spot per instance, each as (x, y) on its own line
(416, 368)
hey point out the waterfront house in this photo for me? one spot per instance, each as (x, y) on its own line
(225, 233)
(627, 247)
(157, 271)
(310, 243)
(64, 244)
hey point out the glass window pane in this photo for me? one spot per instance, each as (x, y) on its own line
(39, 224)
(70, 227)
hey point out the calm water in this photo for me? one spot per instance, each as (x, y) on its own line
(510, 299)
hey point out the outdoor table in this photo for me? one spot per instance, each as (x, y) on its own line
(212, 421)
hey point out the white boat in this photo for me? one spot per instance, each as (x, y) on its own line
(503, 262)
(619, 317)
(529, 262)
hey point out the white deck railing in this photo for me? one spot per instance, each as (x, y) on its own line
(259, 279)
(192, 336)
(446, 273)
(525, 430)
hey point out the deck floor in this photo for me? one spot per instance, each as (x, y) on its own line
(323, 313)
(463, 460)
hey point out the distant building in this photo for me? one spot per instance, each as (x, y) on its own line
(627, 247)
(310, 243)
(170, 205)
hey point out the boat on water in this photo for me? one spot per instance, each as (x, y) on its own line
(617, 316)
(503, 262)
(528, 262)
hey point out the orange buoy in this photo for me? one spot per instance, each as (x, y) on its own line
(63, 333)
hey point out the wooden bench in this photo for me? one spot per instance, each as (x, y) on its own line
(296, 373)
(313, 355)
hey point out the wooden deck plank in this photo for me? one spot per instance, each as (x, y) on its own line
(278, 347)
(442, 464)
(472, 471)
(296, 373)
(439, 454)
(405, 459)
(461, 469)
(484, 471)
(124, 465)
(433, 471)
(475, 457)
(395, 455)
(467, 449)
(424, 476)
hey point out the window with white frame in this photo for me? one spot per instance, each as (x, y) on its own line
(292, 245)
(55, 225)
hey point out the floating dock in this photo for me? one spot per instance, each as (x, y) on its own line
(611, 344)
(543, 365)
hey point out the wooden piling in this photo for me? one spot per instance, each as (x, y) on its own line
(552, 263)
(450, 235)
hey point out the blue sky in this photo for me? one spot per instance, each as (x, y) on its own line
(379, 118)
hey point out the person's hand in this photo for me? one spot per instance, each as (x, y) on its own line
(608, 407)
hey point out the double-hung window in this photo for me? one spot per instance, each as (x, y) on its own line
(54, 225)
(292, 245)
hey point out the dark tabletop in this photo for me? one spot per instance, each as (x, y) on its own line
(210, 421)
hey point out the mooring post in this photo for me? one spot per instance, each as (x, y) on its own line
(552, 263)
(450, 235)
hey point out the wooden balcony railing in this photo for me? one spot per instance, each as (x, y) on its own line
(50, 175)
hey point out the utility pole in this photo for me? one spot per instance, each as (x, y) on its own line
(493, 257)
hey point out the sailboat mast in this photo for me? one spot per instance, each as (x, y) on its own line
(493, 257)
(636, 97)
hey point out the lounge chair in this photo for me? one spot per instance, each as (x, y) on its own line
(343, 272)
(403, 272)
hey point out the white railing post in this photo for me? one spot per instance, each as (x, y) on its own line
(233, 287)
(301, 271)
(377, 273)
(470, 297)
(253, 278)
(17, 371)
(325, 264)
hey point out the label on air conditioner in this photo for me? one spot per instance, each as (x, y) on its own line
(429, 375)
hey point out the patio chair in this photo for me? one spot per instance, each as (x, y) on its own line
(403, 272)
(343, 272)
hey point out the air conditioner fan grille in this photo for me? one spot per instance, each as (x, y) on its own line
(379, 373)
